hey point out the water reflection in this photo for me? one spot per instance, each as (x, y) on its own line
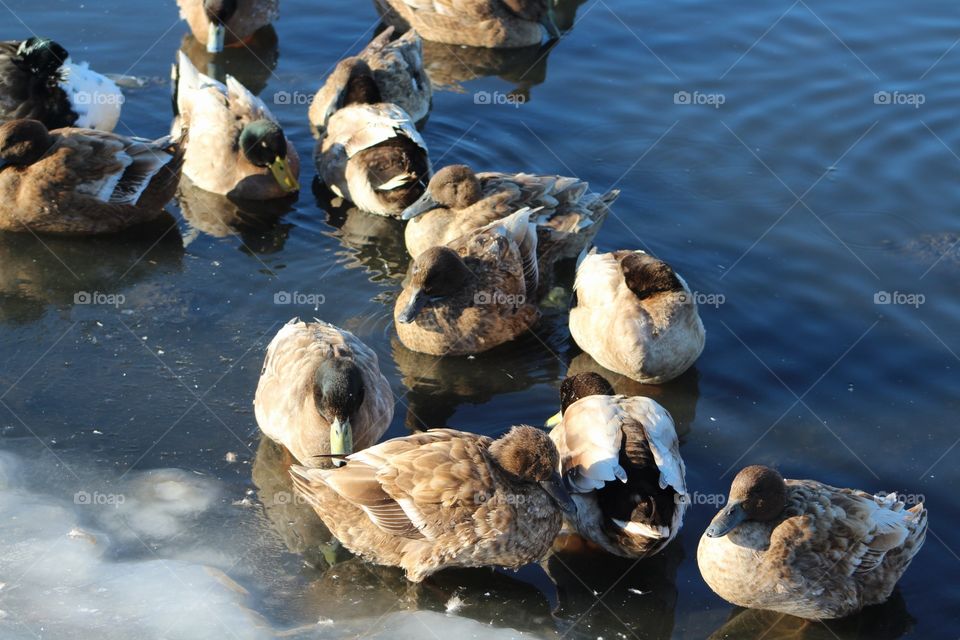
(252, 63)
(887, 621)
(36, 273)
(678, 396)
(257, 223)
(639, 597)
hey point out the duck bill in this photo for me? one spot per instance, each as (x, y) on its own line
(341, 437)
(729, 518)
(554, 420)
(282, 173)
(423, 204)
(549, 22)
(558, 491)
(418, 299)
(216, 34)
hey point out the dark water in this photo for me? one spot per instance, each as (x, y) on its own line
(754, 154)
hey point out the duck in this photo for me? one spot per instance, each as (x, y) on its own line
(396, 68)
(39, 81)
(458, 200)
(370, 151)
(635, 316)
(806, 549)
(236, 147)
(443, 498)
(490, 24)
(81, 181)
(321, 393)
(620, 461)
(222, 23)
(474, 294)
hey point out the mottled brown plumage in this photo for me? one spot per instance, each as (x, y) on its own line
(442, 498)
(80, 181)
(249, 16)
(808, 549)
(474, 294)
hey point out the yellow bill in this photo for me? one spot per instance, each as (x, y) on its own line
(280, 169)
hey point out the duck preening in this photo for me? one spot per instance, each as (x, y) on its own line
(227, 23)
(80, 181)
(443, 498)
(807, 549)
(39, 81)
(321, 393)
(620, 460)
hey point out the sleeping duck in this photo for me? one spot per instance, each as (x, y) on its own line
(38, 80)
(474, 294)
(806, 549)
(397, 70)
(236, 147)
(458, 201)
(443, 498)
(620, 460)
(321, 392)
(81, 181)
(475, 23)
(370, 152)
(636, 316)
(220, 23)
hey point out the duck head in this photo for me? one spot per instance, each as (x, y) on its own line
(437, 273)
(23, 142)
(218, 13)
(542, 11)
(264, 145)
(361, 87)
(579, 386)
(453, 187)
(758, 494)
(647, 276)
(528, 454)
(338, 393)
(42, 56)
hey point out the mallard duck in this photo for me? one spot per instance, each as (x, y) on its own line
(443, 498)
(474, 294)
(38, 80)
(636, 316)
(370, 152)
(458, 201)
(219, 23)
(395, 67)
(475, 23)
(321, 392)
(81, 181)
(807, 549)
(236, 146)
(620, 460)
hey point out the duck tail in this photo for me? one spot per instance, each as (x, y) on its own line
(523, 231)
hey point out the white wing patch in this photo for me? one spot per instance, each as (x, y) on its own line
(95, 99)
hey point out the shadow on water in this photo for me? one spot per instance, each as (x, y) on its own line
(886, 621)
(37, 273)
(251, 63)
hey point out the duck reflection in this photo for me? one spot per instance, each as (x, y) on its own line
(56, 271)
(678, 396)
(886, 621)
(251, 63)
(376, 242)
(639, 598)
(256, 223)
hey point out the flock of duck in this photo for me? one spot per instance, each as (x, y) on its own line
(485, 246)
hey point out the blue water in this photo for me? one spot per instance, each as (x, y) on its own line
(754, 153)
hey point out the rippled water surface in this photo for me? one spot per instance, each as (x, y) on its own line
(792, 161)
